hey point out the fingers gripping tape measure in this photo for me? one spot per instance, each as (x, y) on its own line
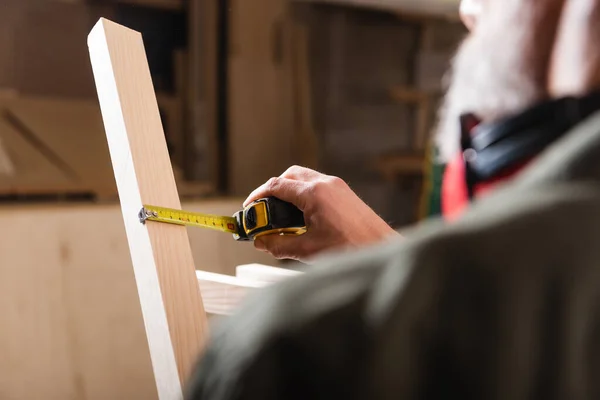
(265, 216)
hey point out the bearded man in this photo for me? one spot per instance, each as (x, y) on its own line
(500, 299)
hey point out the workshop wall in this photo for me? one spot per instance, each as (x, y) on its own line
(43, 49)
(267, 111)
(358, 59)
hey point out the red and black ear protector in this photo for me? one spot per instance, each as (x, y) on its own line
(490, 148)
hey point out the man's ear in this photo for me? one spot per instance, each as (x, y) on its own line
(575, 62)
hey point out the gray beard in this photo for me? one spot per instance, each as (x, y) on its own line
(495, 72)
(482, 83)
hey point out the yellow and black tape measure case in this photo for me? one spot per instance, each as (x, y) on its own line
(267, 216)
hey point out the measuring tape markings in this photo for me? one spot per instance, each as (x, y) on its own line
(264, 216)
(186, 218)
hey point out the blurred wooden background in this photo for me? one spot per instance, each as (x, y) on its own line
(246, 89)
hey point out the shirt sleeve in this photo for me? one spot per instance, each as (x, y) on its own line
(488, 308)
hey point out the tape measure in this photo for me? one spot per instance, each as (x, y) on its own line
(265, 216)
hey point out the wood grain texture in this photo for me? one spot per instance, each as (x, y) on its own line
(161, 4)
(261, 120)
(201, 160)
(71, 130)
(7, 165)
(264, 273)
(176, 325)
(426, 8)
(306, 140)
(31, 170)
(222, 294)
(71, 325)
(48, 56)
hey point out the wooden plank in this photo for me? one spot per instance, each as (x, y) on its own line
(261, 120)
(60, 329)
(173, 106)
(201, 150)
(7, 165)
(221, 294)
(71, 321)
(213, 81)
(48, 55)
(408, 95)
(32, 172)
(8, 43)
(72, 131)
(422, 101)
(306, 139)
(176, 325)
(160, 4)
(447, 9)
(264, 273)
(394, 165)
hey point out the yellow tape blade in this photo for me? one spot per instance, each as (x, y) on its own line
(188, 218)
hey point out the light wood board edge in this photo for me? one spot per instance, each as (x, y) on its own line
(264, 273)
(222, 294)
(171, 304)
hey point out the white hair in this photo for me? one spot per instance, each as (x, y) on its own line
(497, 70)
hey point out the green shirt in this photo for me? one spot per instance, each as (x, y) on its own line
(502, 304)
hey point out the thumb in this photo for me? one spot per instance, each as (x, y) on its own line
(284, 246)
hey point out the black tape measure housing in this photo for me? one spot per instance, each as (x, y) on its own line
(269, 215)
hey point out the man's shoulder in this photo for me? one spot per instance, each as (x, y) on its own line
(326, 318)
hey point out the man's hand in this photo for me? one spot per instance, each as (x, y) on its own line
(335, 216)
